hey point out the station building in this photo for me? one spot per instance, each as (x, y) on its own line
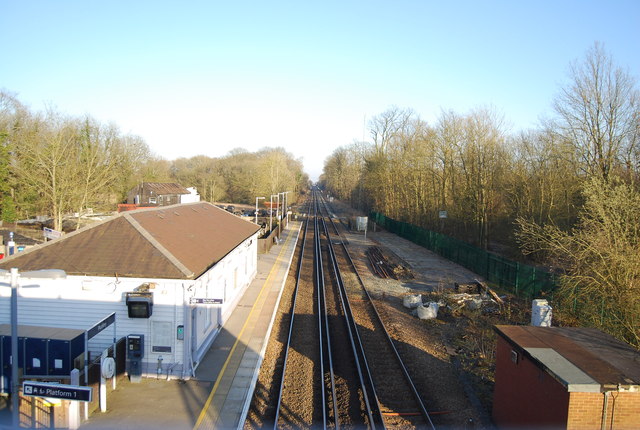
(171, 274)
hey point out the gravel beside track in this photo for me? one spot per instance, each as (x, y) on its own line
(298, 409)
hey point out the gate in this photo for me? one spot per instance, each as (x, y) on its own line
(37, 413)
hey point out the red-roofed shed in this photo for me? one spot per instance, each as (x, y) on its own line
(565, 377)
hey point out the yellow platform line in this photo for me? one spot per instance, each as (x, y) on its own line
(207, 404)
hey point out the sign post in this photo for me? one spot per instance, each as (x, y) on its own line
(93, 331)
(442, 215)
(74, 410)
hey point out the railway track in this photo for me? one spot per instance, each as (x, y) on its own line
(338, 366)
(399, 400)
(300, 380)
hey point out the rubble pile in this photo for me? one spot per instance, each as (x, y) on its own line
(472, 296)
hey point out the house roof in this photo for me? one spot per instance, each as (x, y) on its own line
(161, 188)
(18, 238)
(583, 359)
(173, 242)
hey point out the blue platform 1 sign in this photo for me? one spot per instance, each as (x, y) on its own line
(57, 391)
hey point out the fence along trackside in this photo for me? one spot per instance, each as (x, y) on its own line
(523, 280)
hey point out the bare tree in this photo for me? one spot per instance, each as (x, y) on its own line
(482, 159)
(599, 112)
(389, 125)
(449, 136)
(135, 157)
(343, 171)
(201, 172)
(46, 163)
(544, 184)
(99, 157)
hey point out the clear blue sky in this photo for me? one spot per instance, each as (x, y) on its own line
(204, 77)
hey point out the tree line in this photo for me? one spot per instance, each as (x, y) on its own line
(565, 194)
(53, 165)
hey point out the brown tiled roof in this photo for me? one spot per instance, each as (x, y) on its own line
(607, 360)
(162, 188)
(174, 242)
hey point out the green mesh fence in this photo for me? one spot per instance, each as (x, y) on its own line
(523, 280)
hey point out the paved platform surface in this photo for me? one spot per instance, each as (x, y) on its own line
(219, 395)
